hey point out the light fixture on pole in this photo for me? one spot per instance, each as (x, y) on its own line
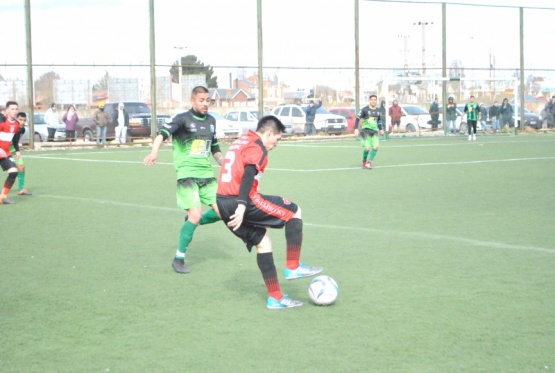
(423, 24)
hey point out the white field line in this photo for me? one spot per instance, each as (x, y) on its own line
(412, 235)
(389, 144)
(319, 169)
(440, 237)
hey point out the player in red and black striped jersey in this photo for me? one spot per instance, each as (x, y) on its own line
(9, 135)
(247, 212)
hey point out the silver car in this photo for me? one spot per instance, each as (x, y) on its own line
(41, 131)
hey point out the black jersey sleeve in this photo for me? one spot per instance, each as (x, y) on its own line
(178, 123)
(246, 184)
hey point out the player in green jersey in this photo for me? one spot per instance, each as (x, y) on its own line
(194, 138)
(371, 128)
(471, 110)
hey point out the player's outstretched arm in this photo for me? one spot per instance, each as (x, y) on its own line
(151, 158)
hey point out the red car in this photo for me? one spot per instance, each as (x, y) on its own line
(348, 113)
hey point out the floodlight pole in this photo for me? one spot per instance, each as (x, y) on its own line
(153, 114)
(444, 65)
(30, 83)
(357, 61)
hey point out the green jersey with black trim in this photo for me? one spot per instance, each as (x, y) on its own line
(371, 118)
(471, 109)
(194, 140)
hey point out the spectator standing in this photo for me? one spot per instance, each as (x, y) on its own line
(383, 112)
(52, 121)
(101, 119)
(121, 121)
(70, 119)
(434, 113)
(311, 116)
(194, 138)
(471, 110)
(549, 112)
(248, 214)
(506, 111)
(370, 130)
(483, 117)
(451, 110)
(494, 116)
(395, 114)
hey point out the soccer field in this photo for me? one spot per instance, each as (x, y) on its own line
(444, 254)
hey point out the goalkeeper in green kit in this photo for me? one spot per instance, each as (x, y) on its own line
(370, 131)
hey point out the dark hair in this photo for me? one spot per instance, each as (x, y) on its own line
(372, 96)
(270, 122)
(199, 89)
(10, 103)
(21, 114)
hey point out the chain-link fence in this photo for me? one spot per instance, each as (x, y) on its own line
(155, 52)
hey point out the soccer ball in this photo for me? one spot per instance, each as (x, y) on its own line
(323, 291)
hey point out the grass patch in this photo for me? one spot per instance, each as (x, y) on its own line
(443, 254)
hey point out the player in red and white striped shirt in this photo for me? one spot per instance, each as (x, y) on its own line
(8, 131)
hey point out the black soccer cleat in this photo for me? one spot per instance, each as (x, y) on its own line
(179, 266)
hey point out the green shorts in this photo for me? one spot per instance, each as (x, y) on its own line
(193, 192)
(368, 142)
(17, 162)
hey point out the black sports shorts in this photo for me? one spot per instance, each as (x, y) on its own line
(7, 163)
(262, 212)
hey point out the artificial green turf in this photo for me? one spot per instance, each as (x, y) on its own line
(443, 253)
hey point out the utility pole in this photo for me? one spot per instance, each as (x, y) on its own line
(405, 53)
(423, 24)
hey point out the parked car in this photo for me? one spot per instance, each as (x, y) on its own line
(139, 121)
(140, 117)
(531, 119)
(414, 118)
(245, 119)
(349, 114)
(294, 116)
(41, 131)
(328, 122)
(224, 127)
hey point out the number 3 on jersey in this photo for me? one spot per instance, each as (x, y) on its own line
(226, 166)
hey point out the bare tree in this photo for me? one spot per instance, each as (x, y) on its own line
(44, 87)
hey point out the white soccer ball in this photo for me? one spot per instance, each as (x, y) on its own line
(323, 290)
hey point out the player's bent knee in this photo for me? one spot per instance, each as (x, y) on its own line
(265, 246)
(194, 215)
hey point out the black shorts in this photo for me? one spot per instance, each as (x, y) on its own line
(7, 163)
(262, 212)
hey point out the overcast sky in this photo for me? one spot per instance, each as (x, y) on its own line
(297, 33)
